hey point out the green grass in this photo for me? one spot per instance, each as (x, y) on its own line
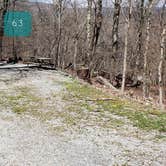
(141, 116)
(21, 101)
(83, 91)
(78, 110)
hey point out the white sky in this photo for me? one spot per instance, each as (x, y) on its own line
(44, 1)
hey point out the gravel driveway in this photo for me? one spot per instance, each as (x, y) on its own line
(36, 130)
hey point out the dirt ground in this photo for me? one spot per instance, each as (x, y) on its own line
(37, 127)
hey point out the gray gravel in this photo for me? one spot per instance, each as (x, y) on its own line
(27, 141)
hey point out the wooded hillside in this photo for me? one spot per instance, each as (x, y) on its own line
(123, 41)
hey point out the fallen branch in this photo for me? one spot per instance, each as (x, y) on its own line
(106, 83)
(102, 99)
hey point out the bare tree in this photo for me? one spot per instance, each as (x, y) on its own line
(115, 35)
(96, 32)
(59, 32)
(93, 31)
(160, 68)
(89, 32)
(3, 9)
(162, 57)
(75, 37)
(128, 20)
(58, 44)
(115, 28)
(77, 34)
(141, 10)
(146, 81)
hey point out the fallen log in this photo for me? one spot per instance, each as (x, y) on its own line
(106, 83)
(102, 99)
(18, 66)
(2, 63)
(104, 74)
(129, 82)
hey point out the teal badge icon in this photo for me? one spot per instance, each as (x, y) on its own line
(17, 24)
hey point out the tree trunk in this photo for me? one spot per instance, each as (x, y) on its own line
(140, 36)
(14, 41)
(93, 32)
(162, 57)
(1, 35)
(3, 9)
(89, 33)
(96, 33)
(115, 30)
(146, 81)
(126, 46)
(145, 74)
(160, 68)
(75, 54)
(58, 61)
(76, 38)
(115, 36)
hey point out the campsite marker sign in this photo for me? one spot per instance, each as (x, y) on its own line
(17, 24)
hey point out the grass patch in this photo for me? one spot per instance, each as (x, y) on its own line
(20, 101)
(83, 91)
(78, 110)
(141, 116)
(19, 109)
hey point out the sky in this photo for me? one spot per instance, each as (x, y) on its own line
(44, 1)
